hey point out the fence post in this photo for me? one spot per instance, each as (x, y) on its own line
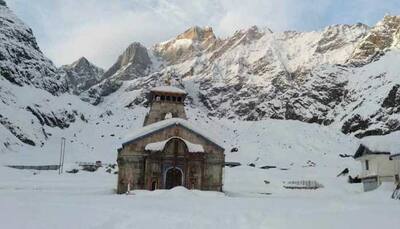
(62, 156)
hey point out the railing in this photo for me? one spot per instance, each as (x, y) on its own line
(35, 167)
(396, 193)
(303, 184)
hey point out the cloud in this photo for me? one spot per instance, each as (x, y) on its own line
(101, 29)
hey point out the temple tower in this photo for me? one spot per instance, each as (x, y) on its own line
(165, 102)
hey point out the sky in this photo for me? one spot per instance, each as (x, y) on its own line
(100, 30)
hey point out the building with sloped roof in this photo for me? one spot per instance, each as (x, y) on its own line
(377, 166)
(396, 159)
(169, 150)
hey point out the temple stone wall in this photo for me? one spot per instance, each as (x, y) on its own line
(141, 167)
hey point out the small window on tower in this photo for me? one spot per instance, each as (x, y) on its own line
(168, 98)
(173, 98)
(162, 98)
(179, 99)
(157, 98)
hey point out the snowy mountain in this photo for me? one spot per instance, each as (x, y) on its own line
(189, 44)
(380, 39)
(134, 62)
(21, 61)
(328, 77)
(287, 106)
(81, 75)
(257, 74)
(32, 92)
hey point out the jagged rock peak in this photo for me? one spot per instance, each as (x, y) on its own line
(135, 57)
(84, 66)
(345, 27)
(250, 34)
(198, 34)
(21, 61)
(383, 36)
(186, 45)
(134, 45)
(81, 75)
(254, 30)
(135, 52)
(338, 36)
(81, 62)
(389, 21)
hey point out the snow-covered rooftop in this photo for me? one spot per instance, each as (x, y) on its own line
(365, 150)
(395, 156)
(146, 130)
(158, 146)
(170, 89)
(387, 143)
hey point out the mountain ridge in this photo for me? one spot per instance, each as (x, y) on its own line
(21, 60)
(259, 74)
(81, 75)
(253, 75)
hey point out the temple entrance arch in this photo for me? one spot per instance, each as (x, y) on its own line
(173, 177)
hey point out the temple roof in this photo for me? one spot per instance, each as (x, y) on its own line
(168, 89)
(164, 124)
(159, 146)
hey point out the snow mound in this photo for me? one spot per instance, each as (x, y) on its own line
(178, 192)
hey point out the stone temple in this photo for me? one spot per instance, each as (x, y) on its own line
(168, 150)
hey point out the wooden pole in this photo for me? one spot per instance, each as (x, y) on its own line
(63, 147)
(59, 163)
(62, 156)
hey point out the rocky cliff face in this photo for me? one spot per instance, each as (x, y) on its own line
(190, 43)
(257, 74)
(381, 38)
(33, 99)
(81, 75)
(21, 61)
(344, 76)
(134, 62)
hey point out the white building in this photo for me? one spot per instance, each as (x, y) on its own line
(376, 167)
(396, 160)
(380, 159)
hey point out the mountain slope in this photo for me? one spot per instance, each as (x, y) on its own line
(257, 74)
(190, 43)
(21, 61)
(81, 75)
(134, 62)
(253, 75)
(33, 99)
(381, 38)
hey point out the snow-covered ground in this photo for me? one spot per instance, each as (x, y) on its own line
(87, 200)
(254, 66)
(252, 198)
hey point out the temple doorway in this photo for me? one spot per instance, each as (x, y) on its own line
(173, 178)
